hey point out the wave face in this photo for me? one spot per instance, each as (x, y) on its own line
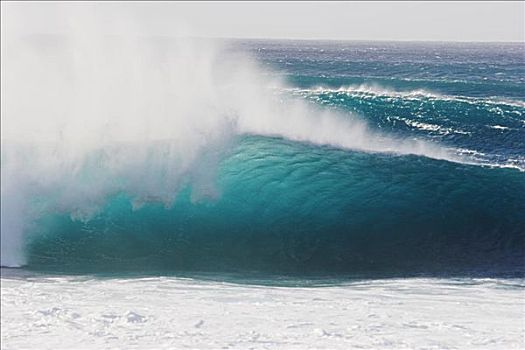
(129, 153)
(287, 207)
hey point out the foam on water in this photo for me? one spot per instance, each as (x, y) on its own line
(373, 91)
(68, 312)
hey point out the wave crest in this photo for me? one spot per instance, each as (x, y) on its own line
(374, 91)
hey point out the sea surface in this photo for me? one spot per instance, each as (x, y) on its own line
(323, 195)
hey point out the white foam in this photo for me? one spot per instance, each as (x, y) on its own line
(432, 127)
(374, 91)
(68, 313)
(498, 127)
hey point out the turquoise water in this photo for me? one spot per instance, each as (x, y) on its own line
(296, 208)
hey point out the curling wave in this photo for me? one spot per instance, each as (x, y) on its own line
(293, 208)
(111, 101)
(145, 154)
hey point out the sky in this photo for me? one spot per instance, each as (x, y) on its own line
(426, 21)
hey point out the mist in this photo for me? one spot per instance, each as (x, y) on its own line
(94, 108)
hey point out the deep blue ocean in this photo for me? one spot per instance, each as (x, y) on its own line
(295, 208)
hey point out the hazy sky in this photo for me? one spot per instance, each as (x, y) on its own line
(446, 21)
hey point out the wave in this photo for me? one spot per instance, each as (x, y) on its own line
(131, 151)
(434, 116)
(149, 115)
(292, 208)
(431, 127)
(373, 91)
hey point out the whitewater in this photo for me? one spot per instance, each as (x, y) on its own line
(180, 192)
(204, 314)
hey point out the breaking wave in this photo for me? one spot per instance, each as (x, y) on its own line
(148, 115)
(126, 152)
(372, 91)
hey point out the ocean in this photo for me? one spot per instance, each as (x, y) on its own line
(263, 194)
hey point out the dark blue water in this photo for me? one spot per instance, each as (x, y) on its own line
(299, 209)
(465, 95)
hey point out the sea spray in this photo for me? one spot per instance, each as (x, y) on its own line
(90, 113)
